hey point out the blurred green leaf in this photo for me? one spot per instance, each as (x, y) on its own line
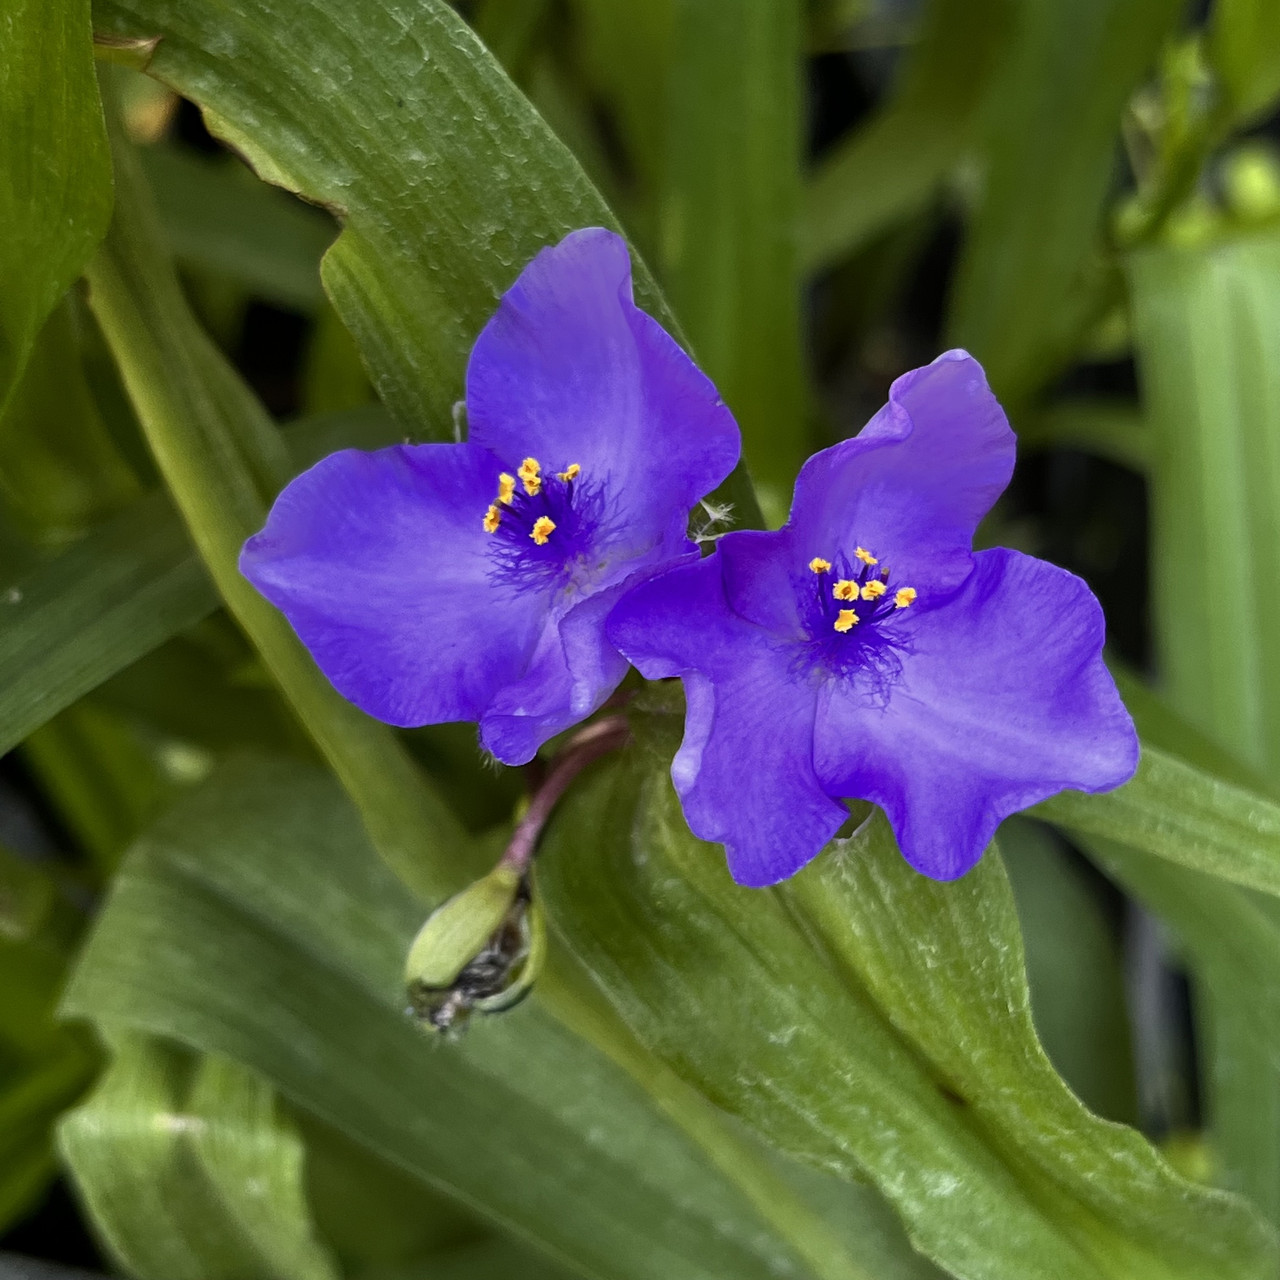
(189, 1171)
(1074, 970)
(1244, 48)
(891, 167)
(1176, 811)
(71, 623)
(730, 201)
(1207, 323)
(59, 467)
(625, 53)
(875, 1022)
(1112, 429)
(1026, 284)
(103, 780)
(218, 216)
(123, 590)
(43, 1066)
(56, 198)
(1232, 939)
(255, 922)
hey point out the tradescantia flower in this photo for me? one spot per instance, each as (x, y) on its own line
(865, 651)
(471, 581)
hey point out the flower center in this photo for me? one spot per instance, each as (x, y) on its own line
(849, 608)
(852, 593)
(542, 524)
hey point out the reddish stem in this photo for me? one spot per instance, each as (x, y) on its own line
(594, 741)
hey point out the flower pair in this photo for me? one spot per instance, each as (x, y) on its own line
(863, 651)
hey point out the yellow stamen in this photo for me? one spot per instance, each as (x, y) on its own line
(819, 565)
(845, 590)
(874, 589)
(865, 556)
(531, 473)
(846, 620)
(542, 530)
(571, 472)
(506, 488)
(904, 597)
(492, 519)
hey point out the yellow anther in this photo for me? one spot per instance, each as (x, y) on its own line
(865, 556)
(506, 488)
(904, 597)
(571, 472)
(819, 565)
(543, 527)
(874, 589)
(845, 590)
(846, 620)
(492, 519)
(531, 473)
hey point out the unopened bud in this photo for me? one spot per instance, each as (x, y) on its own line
(479, 951)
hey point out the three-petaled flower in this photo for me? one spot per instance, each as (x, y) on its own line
(471, 581)
(864, 651)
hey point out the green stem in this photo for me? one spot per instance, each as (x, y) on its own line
(223, 461)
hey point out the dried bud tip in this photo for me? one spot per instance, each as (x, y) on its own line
(480, 950)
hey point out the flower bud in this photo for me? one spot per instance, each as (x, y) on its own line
(480, 950)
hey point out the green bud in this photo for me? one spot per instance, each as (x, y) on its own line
(479, 951)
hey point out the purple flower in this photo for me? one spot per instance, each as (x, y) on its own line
(471, 581)
(865, 651)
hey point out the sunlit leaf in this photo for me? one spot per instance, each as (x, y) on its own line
(1207, 322)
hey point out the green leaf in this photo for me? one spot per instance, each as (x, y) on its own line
(189, 1172)
(256, 923)
(729, 205)
(1207, 322)
(892, 167)
(1111, 429)
(121, 591)
(1176, 811)
(217, 216)
(877, 1023)
(56, 198)
(43, 1066)
(1232, 939)
(413, 278)
(59, 467)
(441, 205)
(1244, 48)
(1074, 969)
(1023, 288)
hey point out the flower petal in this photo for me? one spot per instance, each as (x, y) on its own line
(570, 370)
(379, 561)
(1003, 701)
(911, 487)
(744, 771)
